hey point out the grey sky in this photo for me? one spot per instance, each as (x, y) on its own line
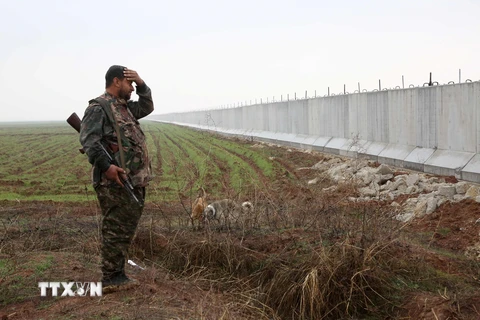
(204, 54)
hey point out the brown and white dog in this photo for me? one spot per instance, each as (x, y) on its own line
(198, 206)
(226, 210)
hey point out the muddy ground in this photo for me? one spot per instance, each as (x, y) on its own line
(48, 241)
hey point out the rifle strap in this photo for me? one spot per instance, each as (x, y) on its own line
(120, 148)
(108, 110)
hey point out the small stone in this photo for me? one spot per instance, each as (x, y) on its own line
(402, 188)
(461, 187)
(421, 208)
(405, 217)
(368, 192)
(473, 192)
(431, 205)
(447, 191)
(330, 189)
(411, 189)
(381, 179)
(440, 202)
(412, 179)
(383, 169)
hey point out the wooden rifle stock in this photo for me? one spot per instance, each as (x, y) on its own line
(75, 122)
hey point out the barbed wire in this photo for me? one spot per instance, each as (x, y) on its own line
(261, 101)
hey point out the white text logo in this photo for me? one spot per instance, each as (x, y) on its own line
(71, 289)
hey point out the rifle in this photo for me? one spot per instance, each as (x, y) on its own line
(75, 122)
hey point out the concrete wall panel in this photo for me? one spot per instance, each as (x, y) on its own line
(440, 120)
(458, 113)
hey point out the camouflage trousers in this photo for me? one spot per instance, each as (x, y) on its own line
(120, 216)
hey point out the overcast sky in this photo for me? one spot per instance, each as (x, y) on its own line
(206, 54)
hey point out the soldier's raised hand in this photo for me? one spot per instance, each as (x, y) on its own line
(132, 75)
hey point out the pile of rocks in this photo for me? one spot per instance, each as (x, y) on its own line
(374, 182)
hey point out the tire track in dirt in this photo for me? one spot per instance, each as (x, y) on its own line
(158, 170)
(286, 179)
(191, 182)
(43, 158)
(263, 179)
(221, 165)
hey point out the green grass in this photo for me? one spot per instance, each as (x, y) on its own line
(40, 161)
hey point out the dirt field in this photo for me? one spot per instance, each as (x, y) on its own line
(303, 254)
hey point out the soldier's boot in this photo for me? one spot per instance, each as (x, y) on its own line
(118, 282)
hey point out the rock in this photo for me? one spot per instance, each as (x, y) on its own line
(431, 187)
(440, 202)
(405, 217)
(458, 197)
(431, 205)
(383, 169)
(397, 183)
(330, 189)
(365, 176)
(396, 204)
(381, 179)
(433, 180)
(411, 189)
(313, 181)
(368, 192)
(420, 186)
(337, 170)
(374, 186)
(447, 191)
(361, 164)
(461, 187)
(412, 180)
(386, 186)
(402, 177)
(421, 208)
(473, 192)
(477, 199)
(402, 187)
(319, 165)
(368, 177)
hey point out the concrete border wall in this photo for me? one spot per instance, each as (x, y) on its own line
(430, 129)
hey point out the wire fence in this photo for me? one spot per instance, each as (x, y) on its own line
(294, 97)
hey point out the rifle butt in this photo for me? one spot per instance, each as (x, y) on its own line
(74, 121)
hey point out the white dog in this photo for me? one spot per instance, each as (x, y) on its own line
(226, 210)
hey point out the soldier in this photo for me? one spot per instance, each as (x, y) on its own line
(111, 120)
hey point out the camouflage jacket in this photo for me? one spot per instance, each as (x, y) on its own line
(97, 128)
